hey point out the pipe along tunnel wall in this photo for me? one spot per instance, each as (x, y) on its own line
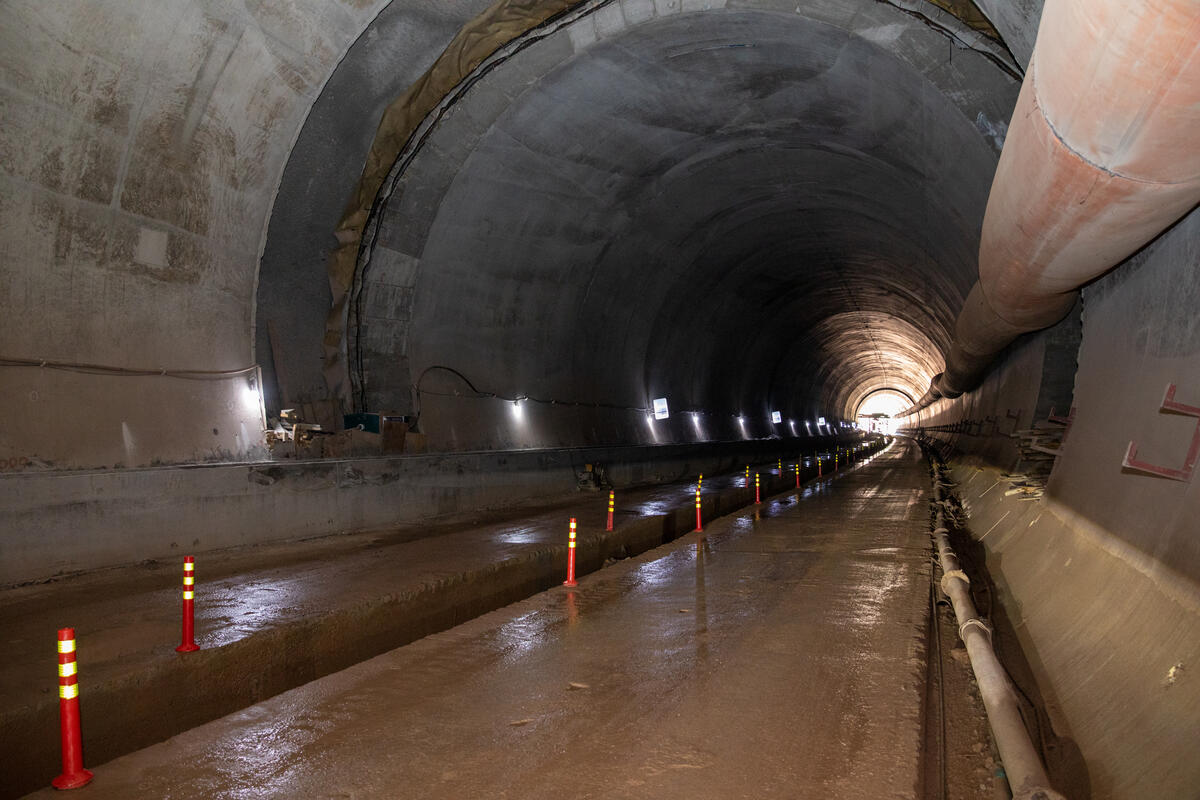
(741, 205)
(1100, 577)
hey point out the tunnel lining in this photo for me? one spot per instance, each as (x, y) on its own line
(415, 143)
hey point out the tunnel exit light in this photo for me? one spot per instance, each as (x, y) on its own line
(776, 417)
(660, 408)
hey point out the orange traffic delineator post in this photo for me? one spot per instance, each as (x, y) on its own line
(781, 466)
(699, 524)
(189, 622)
(570, 581)
(819, 472)
(747, 475)
(757, 495)
(796, 469)
(700, 481)
(611, 498)
(73, 774)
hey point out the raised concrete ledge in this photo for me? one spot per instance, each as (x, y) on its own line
(1108, 632)
(129, 675)
(56, 523)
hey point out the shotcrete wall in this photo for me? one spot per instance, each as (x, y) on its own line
(148, 145)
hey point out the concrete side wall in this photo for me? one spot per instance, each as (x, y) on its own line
(1111, 637)
(56, 523)
(140, 155)
(1102, 579)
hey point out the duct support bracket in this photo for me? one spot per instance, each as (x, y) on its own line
(1171, 406)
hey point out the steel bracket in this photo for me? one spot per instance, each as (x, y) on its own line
(1172, 406)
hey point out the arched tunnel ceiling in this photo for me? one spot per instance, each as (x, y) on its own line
(740, 208)
(733, 209)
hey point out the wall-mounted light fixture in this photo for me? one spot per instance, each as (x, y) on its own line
(660, 408)
(776, 417)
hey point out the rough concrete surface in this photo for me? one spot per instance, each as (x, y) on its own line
(742, 205)
(780, 655)
(57, 524)
(273, 618)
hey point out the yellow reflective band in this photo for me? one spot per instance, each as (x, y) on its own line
(66, 645)
(187, 595)
(68, 669)
(571, 544)
(189, 567)
(69, 692)
(188, 580)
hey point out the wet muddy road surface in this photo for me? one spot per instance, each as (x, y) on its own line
(780, 654)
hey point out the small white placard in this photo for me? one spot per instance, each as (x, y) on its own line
(660, 408)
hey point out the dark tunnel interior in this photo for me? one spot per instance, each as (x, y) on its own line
(248, 243)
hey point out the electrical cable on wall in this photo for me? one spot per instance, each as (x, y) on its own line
(480, 394)
(103, 369)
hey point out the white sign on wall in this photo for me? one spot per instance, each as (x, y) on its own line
(660, 408)
(776, 417)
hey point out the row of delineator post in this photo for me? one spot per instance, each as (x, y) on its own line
(573, 529)
(73, 773)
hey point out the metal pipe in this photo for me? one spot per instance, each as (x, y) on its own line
(1023, 765)
(1100, 158)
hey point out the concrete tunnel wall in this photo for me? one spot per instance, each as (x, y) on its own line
(595, 221)
(635, 205)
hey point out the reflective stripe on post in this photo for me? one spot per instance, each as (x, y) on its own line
(611, 499)
(188, 643)
(570, 581)
(73, 774)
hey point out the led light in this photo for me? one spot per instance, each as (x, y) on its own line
(660, 408)
(776, 417)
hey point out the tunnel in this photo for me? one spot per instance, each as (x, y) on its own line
(292, 271)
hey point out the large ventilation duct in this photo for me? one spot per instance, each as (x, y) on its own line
(1102, 154)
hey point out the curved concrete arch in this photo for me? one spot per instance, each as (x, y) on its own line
(901, 397)
(601, 162)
